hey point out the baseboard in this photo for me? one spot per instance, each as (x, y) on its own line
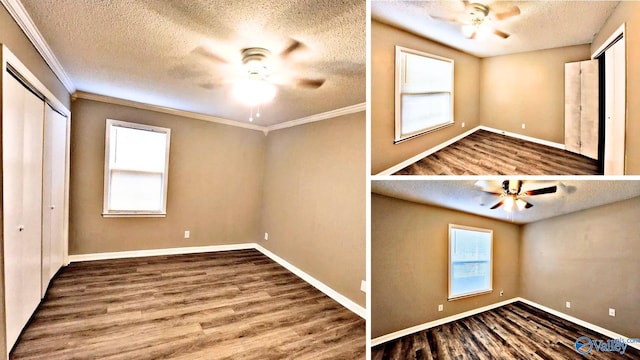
(413, 159)
(408, 331)
(524, 137)
(159, 252)
(432, 150)
(582, 323)
(341, 299)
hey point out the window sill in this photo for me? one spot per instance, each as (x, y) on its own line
(424, 132)
(463, 296)
(124, 214)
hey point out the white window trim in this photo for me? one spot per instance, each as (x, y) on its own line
(399, 137)
(480, 292)
(107, 179)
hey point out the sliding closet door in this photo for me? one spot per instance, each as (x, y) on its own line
(22, 203)
(55, 144)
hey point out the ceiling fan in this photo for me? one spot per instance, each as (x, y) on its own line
(261, 73)
(477, 18)
(512, 195)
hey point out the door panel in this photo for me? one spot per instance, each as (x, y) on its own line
(22, 188)
(615, 104)
(589, 108)
(53, 201)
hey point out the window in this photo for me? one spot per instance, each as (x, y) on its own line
(136, 164)
(470, 261)
(424, 93)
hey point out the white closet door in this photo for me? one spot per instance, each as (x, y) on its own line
(22, 189)
(55, 142)
(572, 106)
(615, 106)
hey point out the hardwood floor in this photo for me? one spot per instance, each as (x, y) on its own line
(488, 153)
(225, 305)
(514, 331)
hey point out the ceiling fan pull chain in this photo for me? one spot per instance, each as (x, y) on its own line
(251, 116)
(258, 112)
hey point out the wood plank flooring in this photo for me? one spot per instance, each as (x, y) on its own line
(488, 153)
(225, 305)
(514, 331)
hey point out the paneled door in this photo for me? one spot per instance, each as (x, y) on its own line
(22, 145)
(53, 196)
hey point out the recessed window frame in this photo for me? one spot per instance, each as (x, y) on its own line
(106, 212)
(400, 78)
(451, 296)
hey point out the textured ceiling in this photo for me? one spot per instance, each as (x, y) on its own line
(540, 25)
(466, 196)
(150, 51)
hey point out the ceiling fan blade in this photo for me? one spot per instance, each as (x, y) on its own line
(465, 2)
(513, 11)
(497, 205)
(528, 206)
(502, 34)
(473, 35)
(547, 190)
(492, 192)
(309, 83)
(208, 54)
(447, 19)
(293, 46)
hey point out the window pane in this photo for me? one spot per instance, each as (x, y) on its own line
(138, 149)
(136, 191)
(424, 111)
(425, 74)
(470, 253)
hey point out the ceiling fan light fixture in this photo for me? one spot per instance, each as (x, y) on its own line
(509, 202)
(254, 91)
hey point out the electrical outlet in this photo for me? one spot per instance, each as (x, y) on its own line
(524, 126)
(440, 307)
(612, 312)
(501, 292)
(568, 304)
(363, 286)
(462, 124)
(187, 234)
(266, 236)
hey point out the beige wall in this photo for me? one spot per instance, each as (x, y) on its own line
(589, 258)
(628, 12)
(527, 88)
(12, 36)
(409, 252)
(215, 184)
(314, 201)
(384, 153)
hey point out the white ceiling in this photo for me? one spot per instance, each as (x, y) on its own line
(146, 51)
(466, 196)
(540, 25)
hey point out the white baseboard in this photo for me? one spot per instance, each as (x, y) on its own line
(159, 252)
(582, 323)
(524, 137)
(341, 299)
(408, 331)
(400, 333)
(425, 153)
(432, 150)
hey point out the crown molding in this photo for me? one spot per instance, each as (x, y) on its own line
(192, 115)
(321, 116)
(165, 110)
(22, 18)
